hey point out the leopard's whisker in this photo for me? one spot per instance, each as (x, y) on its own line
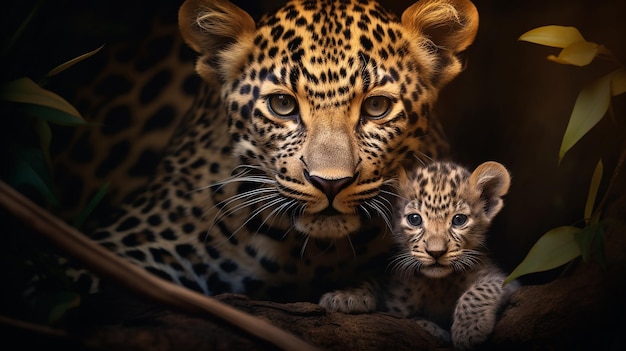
(382, 209)
(386, 192)
(404, 263)
(276, 212)
(418, 156)
(249, 198)
(304, 245)
(249, 201)
(351, 246)
(255, 213)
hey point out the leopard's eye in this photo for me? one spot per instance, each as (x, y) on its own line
(375, 107)
(414, 219)
(283, 105)
(459, 219)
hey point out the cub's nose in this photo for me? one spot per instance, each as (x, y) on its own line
(436, 253)
(330, 187)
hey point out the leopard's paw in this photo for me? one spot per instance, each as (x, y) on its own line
(349, 301)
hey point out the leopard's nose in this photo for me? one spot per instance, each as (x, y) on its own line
(330, 187)
(436, 253)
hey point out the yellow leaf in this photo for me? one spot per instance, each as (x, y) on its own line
(24, 90)
(591, 105)
(618, 82)
(555, 36)
(555, 248)
(72, 62)
(593, 190)
(580, 53)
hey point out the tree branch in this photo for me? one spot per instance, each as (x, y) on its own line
(107, 264)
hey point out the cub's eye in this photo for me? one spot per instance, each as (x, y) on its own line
(414, 219)
(283, 105)
(459, 219)
(375, 107)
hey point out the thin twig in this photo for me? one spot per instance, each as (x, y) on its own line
(107, 264)
(36, 328)
(617, 171)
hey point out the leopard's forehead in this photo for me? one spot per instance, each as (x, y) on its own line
(438, 188)
(330, 18)
(330, 49)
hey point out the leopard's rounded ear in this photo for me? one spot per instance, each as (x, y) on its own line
(492, 180)
(450, 24)
(441, 29)
(220, 32)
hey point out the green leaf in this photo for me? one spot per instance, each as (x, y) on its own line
(24, 90)
(593, 190)
(592, 237)
(51, 115)
(618, 82)
(555, 248)
(585, 239)
(82, 216)
(580, 53)
(591, 105)
(72, 62)
(554, 36)
(30, 169)
(54, 306)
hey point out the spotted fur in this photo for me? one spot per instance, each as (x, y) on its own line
(441, 272)
(134, 103)
(276, 182)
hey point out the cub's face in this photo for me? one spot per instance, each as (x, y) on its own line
(326, 99)
(443, 216)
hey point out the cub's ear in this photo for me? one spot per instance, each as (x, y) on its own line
(446, 27)
(492, 180)
(403, 176)
(220, 32)
(404, 183)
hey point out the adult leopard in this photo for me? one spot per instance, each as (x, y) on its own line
(276, 182)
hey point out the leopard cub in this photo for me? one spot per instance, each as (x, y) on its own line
(441, 274)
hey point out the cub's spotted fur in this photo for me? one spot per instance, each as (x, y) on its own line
(441, 272)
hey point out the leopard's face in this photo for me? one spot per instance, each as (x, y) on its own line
(443, 215)
(326, 99)
(329, 116)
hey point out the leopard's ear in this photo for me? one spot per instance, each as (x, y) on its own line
(492, 180)
(445, 28)
(220, 32)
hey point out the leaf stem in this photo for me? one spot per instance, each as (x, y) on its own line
(608, 55)
(619, 167)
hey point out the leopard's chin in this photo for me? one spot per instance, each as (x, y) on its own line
(436, 271)
(324, 226)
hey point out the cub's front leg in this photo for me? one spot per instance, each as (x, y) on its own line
(361, 299)
(476, 311)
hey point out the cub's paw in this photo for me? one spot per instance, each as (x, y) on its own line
(349, 301)
(467, 334)
(435, 330)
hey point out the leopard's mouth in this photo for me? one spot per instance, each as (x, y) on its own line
(328, 224)
(436, 270)
(329, 212)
